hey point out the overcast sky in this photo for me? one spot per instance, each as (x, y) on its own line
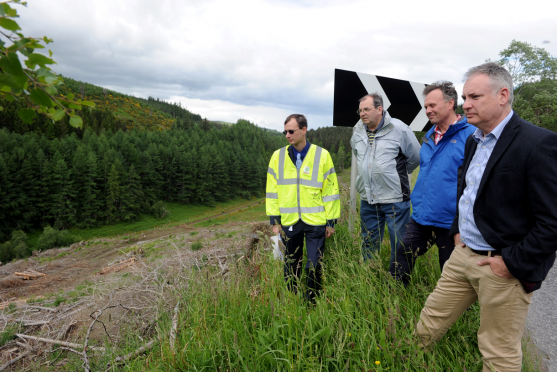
(263, 60)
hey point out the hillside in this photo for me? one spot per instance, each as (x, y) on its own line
(114, 111)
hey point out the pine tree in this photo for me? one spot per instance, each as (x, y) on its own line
(339, 165)
(92, 204)
(44, 192)
(131, 196)
(113, 195)
(28, 177)
(5, 186)
(63, 208)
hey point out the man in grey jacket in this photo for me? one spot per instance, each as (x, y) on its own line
(386, 150)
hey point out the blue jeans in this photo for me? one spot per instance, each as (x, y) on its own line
(373, 218)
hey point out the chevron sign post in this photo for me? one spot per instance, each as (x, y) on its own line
(403, 99)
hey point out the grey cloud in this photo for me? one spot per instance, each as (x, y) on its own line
(152, 50)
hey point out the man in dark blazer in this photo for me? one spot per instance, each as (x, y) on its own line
(505, 227)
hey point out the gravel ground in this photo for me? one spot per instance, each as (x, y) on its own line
(542, 319)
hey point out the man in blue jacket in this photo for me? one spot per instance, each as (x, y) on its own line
(434, 195)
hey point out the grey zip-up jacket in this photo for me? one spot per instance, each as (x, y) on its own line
(383, 169)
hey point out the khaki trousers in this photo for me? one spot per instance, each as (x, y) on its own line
(503, 309)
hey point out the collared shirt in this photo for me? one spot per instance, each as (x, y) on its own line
(469, 233)
(438, 134)
(302, 153)
(371, 133)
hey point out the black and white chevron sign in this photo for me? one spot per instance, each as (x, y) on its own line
(403, 99)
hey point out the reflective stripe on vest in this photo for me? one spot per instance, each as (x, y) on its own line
(303, 209)
(293, 181)
(330, 198)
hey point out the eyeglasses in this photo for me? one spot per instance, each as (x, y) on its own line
(365, 109)
(290, 131)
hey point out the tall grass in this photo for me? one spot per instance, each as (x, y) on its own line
(361, 322)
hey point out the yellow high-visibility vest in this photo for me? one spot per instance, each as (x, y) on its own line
(309, 193)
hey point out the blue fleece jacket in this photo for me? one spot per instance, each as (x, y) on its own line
(434, 195)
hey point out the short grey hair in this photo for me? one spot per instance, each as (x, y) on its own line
(376, 97)
(499, 76)
(446, 87)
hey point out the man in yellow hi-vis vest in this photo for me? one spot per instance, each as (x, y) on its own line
(302, 200)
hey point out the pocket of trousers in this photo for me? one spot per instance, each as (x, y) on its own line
(495, 276)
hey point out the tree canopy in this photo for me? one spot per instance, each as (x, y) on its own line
(32, 82)
(534, 73)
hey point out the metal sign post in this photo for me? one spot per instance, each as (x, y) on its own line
(403, 99)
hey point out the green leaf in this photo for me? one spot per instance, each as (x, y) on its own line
(76, 122)
(5, 89)
(50, 79)
(27, 115)
(70, 96)
(39, 59)
(44, 72)
(9, 98)
(41, 98)
(50, 89)
(88, 103)
(5, 8)
(8, 80)
(10, 64)
(9, 24)
(59, 114)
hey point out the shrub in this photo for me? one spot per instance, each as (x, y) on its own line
(159, 210)
(51, 238)
(197, 245)
(15, 248)
(8, 334)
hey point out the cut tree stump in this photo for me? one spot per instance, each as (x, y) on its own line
(30, 275)
(119, 266)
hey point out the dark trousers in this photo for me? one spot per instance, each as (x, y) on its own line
(416, 241)
(315, 246)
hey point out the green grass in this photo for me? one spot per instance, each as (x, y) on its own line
(197, 245)
(251, 322)
(362, 320)
(179, 213)
(248, 214)
(9, 333)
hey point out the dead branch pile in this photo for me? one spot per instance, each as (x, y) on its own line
(95, 332)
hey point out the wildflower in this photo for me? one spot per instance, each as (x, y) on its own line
(377, 362)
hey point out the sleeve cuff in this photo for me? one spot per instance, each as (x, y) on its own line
(331, 223)
(275, 220)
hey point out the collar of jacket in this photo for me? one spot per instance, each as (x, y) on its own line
(454, 128)
(386, 128)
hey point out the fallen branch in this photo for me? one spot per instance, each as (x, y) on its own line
(40, 308)
(7, 364)
(133, 354)
(34, 323)
(174, 326)
(57, 342)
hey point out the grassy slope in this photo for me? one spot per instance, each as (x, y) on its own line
(179, 214)
(362, 321)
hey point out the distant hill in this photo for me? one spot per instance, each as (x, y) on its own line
(113, 111)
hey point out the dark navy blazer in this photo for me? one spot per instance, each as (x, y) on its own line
(516, 204)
